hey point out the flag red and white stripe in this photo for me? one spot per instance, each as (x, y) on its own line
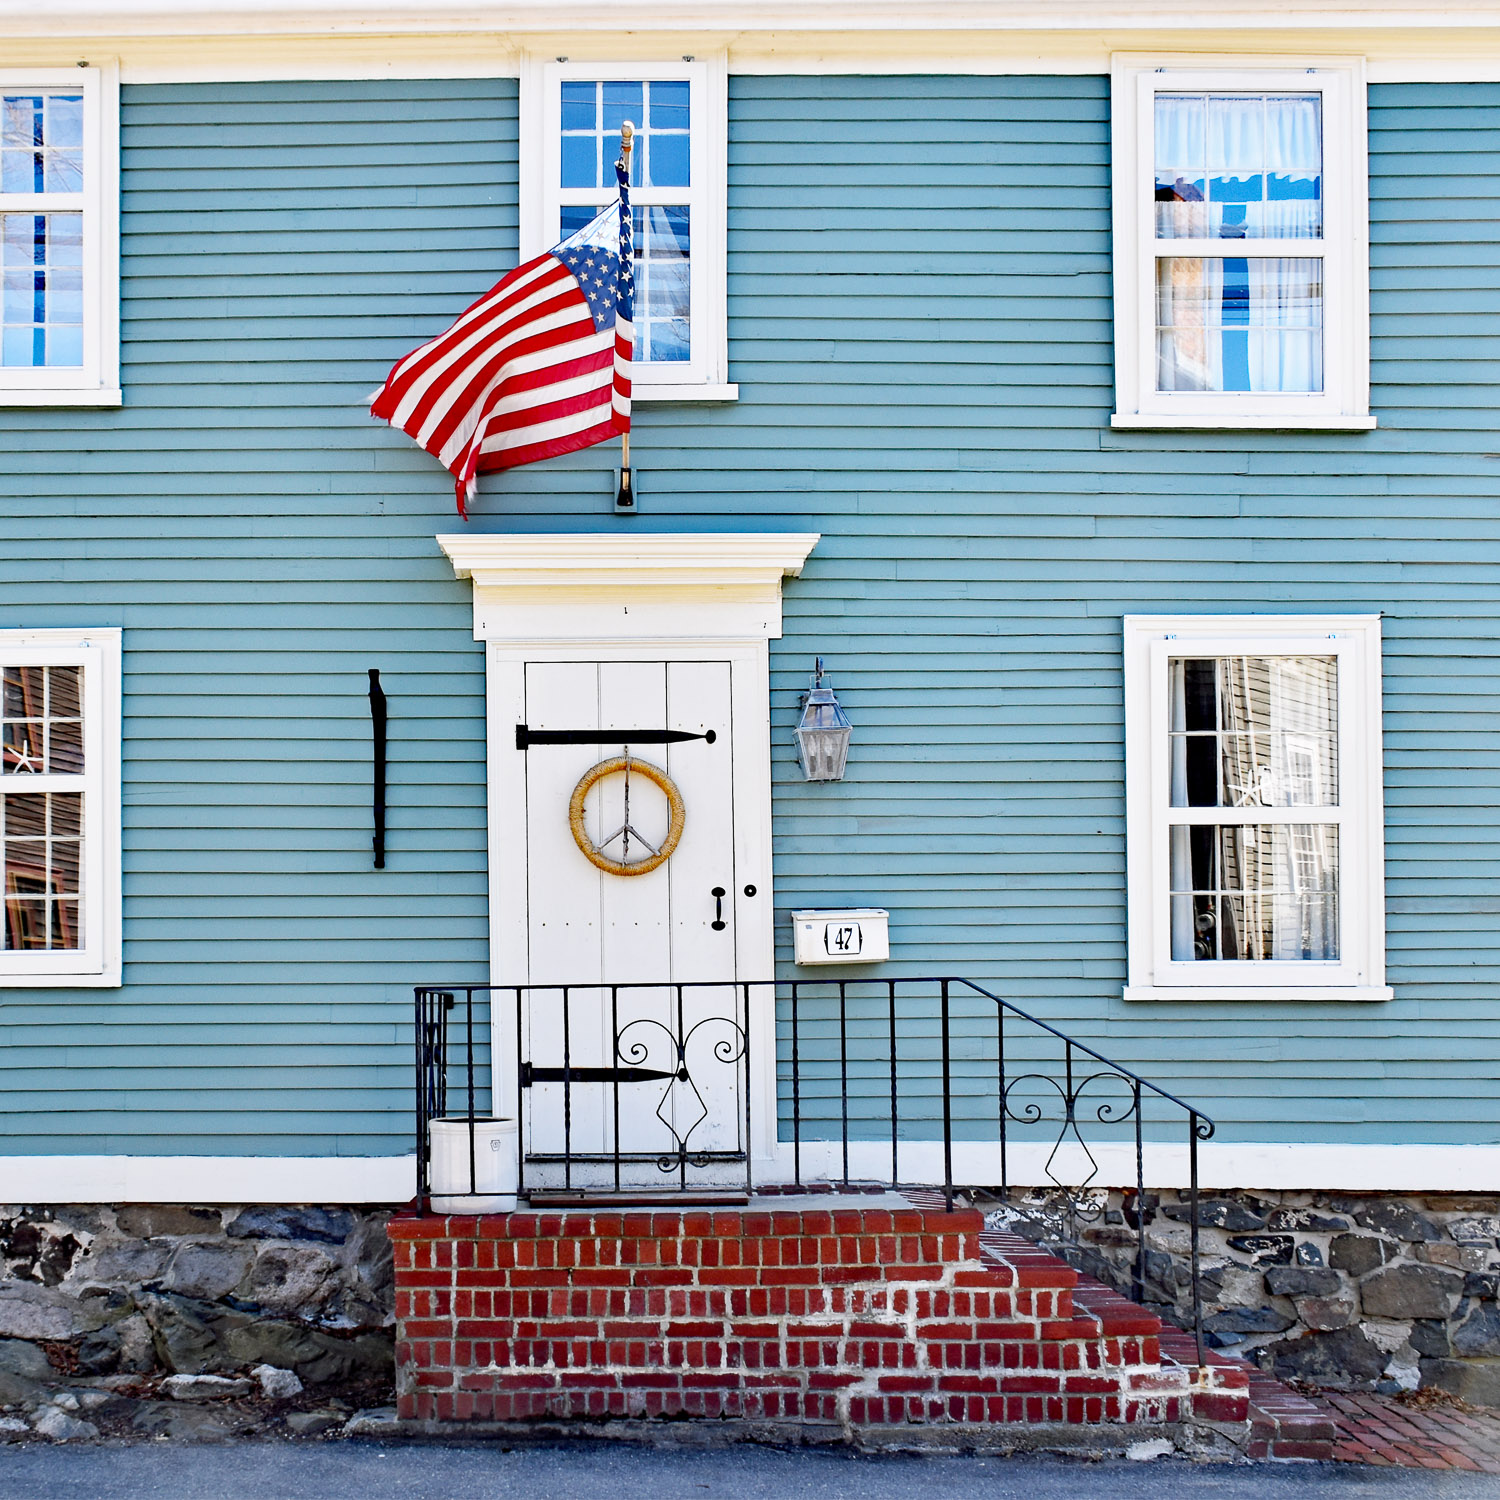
(538, 366)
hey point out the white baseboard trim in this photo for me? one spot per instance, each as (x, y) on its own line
(207, 1179)
(1221, 1166)
(392, 1179)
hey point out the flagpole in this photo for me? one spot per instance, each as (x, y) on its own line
(626, 496)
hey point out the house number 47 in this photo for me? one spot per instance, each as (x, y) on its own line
(843, 938)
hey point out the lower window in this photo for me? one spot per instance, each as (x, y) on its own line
(59, 807)
(1253, 780)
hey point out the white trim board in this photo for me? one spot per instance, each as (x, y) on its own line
(287, 18)
(392, 1179)
(1222, 1166)
(1393, 54)
(208, 1179)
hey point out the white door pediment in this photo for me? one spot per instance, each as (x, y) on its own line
(617, 587)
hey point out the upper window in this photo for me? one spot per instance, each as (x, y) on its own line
(572, 116)
(1253, 791)
(59, 342)
(1241, 256)
(59, 807)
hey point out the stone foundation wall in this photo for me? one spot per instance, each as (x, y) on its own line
(147, 1288)
(1383, 1292)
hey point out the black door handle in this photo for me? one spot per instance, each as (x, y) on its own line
(718, 893)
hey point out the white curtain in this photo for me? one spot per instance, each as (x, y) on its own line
(1286, 341)
(1294, 166)
(1240, 166)
(1256, 159)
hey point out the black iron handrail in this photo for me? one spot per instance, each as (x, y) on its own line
(810, 1009)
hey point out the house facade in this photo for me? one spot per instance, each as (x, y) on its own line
(1107, 400)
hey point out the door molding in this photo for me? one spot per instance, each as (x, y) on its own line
(619, 597)
(614, 586)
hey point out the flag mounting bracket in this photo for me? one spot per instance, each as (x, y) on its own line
(625, 495)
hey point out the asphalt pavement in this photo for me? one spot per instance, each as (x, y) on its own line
(373, 1470)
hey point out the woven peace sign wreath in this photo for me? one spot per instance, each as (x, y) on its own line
(657, 777)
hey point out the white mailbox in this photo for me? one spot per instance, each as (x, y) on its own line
(860, 936)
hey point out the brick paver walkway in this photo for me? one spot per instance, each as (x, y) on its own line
(1422, 1431)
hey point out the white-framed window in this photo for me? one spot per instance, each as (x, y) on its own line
(1241, 243)
(1254, 814)
(60, 807)
(59, 237)
(571, 113)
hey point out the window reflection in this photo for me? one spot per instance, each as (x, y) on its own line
(41, 864)
(1254, 732)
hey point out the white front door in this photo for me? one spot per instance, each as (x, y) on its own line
(632, 1031)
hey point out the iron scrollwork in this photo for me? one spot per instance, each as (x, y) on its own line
(727, 1051)
(1069, 1094)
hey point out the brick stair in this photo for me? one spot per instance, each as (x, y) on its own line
(1264, 1418)
(869, 1315)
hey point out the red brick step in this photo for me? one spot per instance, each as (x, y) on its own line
(862, 1313)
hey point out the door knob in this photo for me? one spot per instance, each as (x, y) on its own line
(718, 893)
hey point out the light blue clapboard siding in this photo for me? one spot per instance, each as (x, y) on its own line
(261, 544)
(920, 325)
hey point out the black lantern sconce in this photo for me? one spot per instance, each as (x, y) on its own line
(822, 732)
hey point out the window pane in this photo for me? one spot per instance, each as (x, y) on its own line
(23, 720)
(1254, 731)
(669, 105)
(65, 747)
(64, 124)
(622, 101)
(666, 162)
(41, 143)
(580, 106)
(663, 279)
(42, 870)
(1239, 166)
(41, 299)
(574, 217)
(25, 690)
(592, 114)
(1255, 892)
(41, 724)
(1239, 324)
(663, 270)
(580, 161)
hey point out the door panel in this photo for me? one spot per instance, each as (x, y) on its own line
(593, 930)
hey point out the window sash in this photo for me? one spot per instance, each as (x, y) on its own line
(1239, 249)
(686, 196)
(1343, 399)
(1285, 814)
(96, 958)
(1165, 816)
(1151, 644)
(543, 198)
(98, 374)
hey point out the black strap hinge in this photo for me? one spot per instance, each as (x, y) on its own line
(526, 737)
(530, 1074)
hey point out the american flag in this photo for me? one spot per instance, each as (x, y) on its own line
(539, 365)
